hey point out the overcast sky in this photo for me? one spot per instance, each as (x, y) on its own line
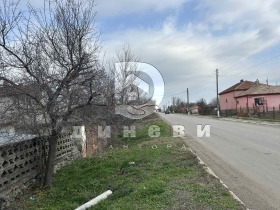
(186, 40)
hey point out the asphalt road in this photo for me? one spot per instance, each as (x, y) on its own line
(245, 156)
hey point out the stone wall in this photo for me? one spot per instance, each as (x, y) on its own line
(20, 164)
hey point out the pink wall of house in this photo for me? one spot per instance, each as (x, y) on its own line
(272, 100)
(227, 100)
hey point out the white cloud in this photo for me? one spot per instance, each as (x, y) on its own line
(226, 36)
(122, 7)
(240, 14)
(169, 26)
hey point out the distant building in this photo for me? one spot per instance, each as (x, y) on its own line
(194, 109)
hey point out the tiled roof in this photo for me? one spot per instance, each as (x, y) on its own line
(242, 85)
(9, 91)
(261, 90)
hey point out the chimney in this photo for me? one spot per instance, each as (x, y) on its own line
(241, 80)
(257, 82)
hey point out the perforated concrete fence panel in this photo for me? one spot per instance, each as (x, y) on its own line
(19, 164)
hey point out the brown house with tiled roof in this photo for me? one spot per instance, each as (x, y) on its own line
(227, 97)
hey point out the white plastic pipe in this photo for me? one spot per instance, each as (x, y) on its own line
(95, 201)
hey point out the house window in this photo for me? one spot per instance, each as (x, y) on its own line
(237, 102)
(259, 101)
(226, 100)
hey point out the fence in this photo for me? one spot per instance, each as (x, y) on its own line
(228, 113)
(20, 164)
(263, 112)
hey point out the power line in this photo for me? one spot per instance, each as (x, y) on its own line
(256, 65)
(255, 50)
(175, 94)
(277, 56)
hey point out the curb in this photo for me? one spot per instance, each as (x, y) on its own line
(241, 120)
(209, 170)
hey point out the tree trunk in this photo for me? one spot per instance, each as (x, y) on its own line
(51, 159)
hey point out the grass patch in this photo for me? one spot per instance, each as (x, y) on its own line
(165, 175)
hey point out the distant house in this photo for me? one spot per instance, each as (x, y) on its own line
(183, 109)
(194, 109)
(250, 96)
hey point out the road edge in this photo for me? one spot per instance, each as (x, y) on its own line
(247, 121)
(210, 171)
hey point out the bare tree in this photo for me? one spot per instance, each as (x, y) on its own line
(51, 58)
(126, 73)
(202, 105)
(178, 104)
(213, 102)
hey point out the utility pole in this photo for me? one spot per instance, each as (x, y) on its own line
(173, 104)
(218, 103)
(188, 100)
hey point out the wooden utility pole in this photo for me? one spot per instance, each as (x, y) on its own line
(188, 100)
(217, 84)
